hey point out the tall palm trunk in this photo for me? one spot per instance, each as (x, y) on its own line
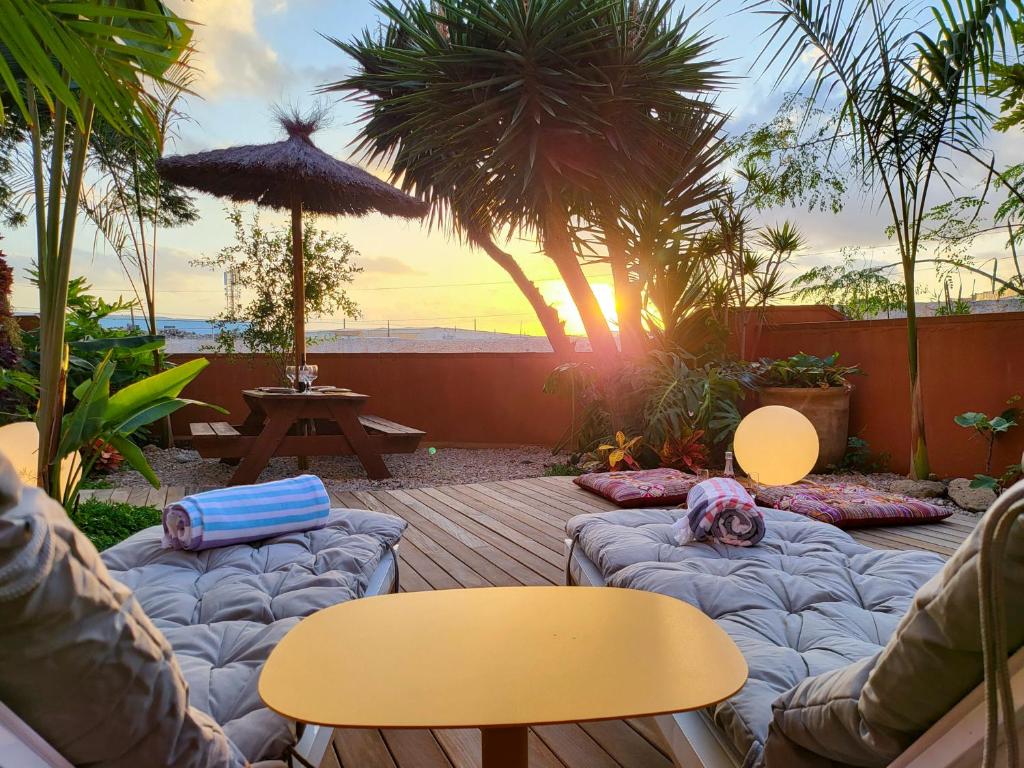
(553, 327)
(628, 302)
(54, 255)
(919, 467)
(558, 247)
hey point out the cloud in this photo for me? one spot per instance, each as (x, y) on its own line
(232, 56)
(386, 265)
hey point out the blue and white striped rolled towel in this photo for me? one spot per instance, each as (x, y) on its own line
(246, 513)
(722, 510)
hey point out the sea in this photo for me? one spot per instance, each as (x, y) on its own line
(169, 325)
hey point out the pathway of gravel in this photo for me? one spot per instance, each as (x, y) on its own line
(448, 466)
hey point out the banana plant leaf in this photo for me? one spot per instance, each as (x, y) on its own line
(101, 418)
(167, 383)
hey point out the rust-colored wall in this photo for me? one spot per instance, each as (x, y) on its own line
(969, 363)
(474, 398)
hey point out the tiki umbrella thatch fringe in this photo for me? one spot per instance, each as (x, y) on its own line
(295, 175)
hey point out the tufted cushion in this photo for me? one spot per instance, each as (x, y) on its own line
(642, 488)
(82, 664)
(849, 505)
(290, 575)
(806, 600)
(223, 610)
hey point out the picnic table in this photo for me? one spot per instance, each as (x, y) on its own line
(322, 422)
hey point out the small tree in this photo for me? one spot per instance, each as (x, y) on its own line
(260, 263)
(857, 290)
(909, 88)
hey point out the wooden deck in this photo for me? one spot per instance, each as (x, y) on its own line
(510, 533)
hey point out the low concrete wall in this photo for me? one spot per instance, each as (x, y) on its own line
(465, 399)
(968, 363)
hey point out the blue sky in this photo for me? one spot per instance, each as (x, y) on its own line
(257, 53)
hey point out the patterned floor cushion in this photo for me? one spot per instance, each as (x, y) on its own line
(643, 488)
(848, 505)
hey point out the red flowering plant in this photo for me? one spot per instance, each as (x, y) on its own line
(107, 457)
(687, 453)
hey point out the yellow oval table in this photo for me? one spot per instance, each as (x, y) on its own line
(500, 659)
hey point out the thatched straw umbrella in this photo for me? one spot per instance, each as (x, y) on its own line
(293, 174)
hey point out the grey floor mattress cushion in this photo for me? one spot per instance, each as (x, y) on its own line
(807, 600)
(147, 656)
(223, 610)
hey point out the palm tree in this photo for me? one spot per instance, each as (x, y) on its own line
(659, 128)
(910, 81)
(513, 116)
(61, 64)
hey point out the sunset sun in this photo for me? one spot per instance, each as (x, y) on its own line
(558, 295)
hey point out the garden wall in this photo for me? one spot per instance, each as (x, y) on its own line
(482, 399)
(968, 363)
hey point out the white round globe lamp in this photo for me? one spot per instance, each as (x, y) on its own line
(776, 445)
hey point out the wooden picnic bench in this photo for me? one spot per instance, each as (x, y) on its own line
(319, 423)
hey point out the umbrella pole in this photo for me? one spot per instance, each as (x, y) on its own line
(298, 286)
(299, 305)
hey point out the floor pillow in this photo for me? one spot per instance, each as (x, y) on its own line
(642, 488)
(849, 505)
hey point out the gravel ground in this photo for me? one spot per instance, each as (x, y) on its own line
(448, 466)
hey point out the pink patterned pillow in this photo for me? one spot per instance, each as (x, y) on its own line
(643, 488)
(848, 505)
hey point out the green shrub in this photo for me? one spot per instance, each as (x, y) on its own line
(562, 470)
(108, 522)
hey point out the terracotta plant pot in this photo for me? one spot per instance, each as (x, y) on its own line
(827, 409)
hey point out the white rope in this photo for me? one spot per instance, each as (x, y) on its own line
(995, 534)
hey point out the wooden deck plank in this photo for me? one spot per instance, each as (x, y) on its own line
(566, 495)
(626, 745)
(573, 746)
(359, 748)
(510, 532)
(462, 747)
(330, 758)
(511, 557)
(469, 565)
(544, 516)
(415, 749)
(120, 495)
(489, 513)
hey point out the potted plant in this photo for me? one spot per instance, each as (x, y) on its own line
(819, 389)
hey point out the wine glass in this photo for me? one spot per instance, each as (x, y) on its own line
(308, 374)
(290, 373)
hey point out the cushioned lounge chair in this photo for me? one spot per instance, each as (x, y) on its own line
(148, 656)
(856, 656)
